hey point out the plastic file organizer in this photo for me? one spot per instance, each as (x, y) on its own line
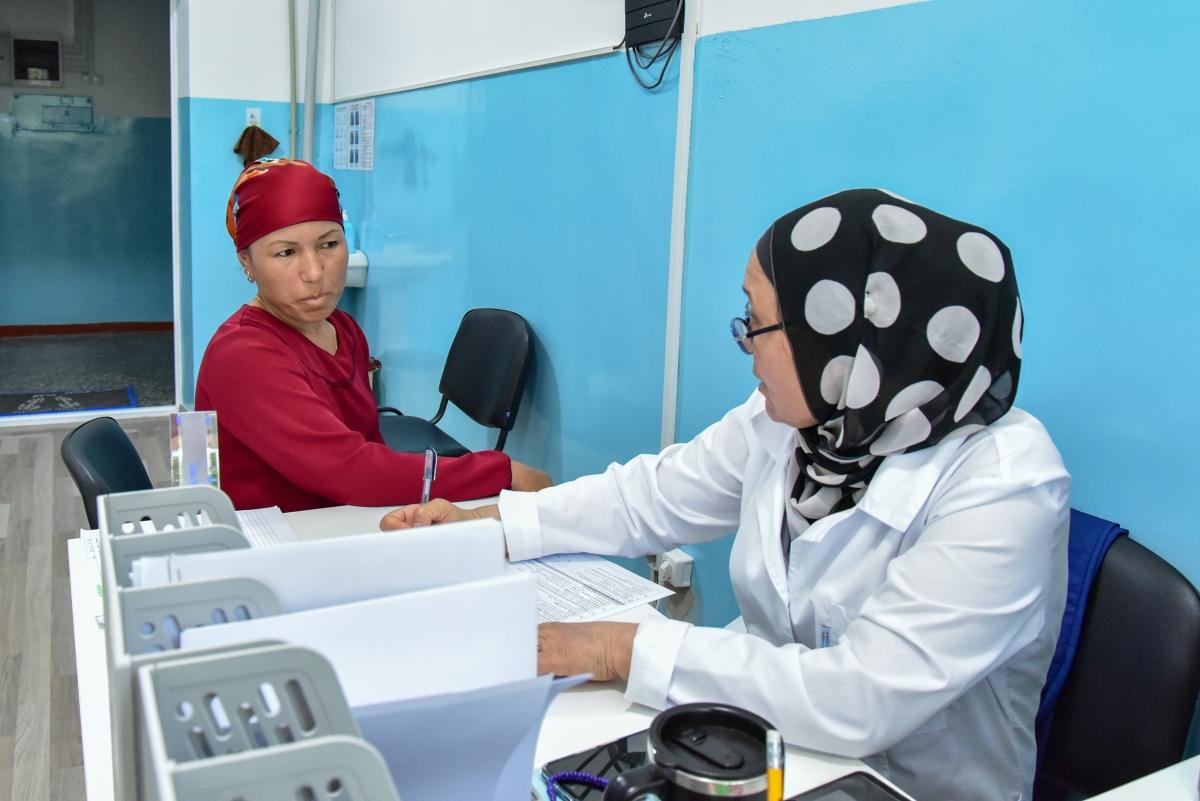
(370, 694)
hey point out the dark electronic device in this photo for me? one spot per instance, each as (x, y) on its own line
(853, 787)
(651, 21)
(612, 759)
(606, 761)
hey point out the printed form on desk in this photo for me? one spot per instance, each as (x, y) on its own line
(266, 527)
(575, 588)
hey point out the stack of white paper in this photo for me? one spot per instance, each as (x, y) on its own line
(571, 587)
(441, 640)
(309, 575)
(265, 527)
(433, 639)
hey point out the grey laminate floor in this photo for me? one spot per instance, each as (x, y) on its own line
(40, 752)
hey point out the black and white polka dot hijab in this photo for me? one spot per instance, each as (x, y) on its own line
(905, 327)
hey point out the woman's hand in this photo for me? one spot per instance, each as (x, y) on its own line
(529, 479)
(433, 513)
(603, 649)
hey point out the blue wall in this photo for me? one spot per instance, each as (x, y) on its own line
(85, 221)
(547, 192)
(213, 285)
(1069, 129)
(1065, 128)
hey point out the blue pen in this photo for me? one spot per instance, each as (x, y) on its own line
(430, 473)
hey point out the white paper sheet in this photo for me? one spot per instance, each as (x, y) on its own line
(449, 639)
(91, 547)
(579, 587)
(265, 527)
(309, 575)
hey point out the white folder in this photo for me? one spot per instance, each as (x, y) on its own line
(476, 745)
(319, 573)
(441, 640)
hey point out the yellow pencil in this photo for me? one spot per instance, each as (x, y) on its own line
(774, 766)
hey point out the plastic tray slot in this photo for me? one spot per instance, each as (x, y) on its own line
(209, 729)
(154, 618)
(336, 768)
(128, 548)
(216, 703)
(122, 513)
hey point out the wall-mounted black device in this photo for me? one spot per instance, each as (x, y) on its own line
(651, 20)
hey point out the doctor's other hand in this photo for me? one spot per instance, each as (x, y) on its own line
(603, 649)
(433, 513)
(529, 479)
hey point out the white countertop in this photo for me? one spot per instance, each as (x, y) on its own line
(580, 718)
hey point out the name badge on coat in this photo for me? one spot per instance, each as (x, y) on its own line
(831, 620)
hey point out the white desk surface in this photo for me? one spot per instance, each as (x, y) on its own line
(91, 668)
(580, 718)
(345, 521)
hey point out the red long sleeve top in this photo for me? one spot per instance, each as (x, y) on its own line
(298, 427)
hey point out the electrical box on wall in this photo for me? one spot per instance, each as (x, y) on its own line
(652, 20)
(53, 113)
(36, 60)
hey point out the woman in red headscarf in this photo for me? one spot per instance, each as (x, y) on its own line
(287, 373)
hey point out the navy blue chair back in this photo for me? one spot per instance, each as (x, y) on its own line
(101, 458)
(1127, 704)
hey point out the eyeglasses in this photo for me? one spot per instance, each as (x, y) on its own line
(742, 335)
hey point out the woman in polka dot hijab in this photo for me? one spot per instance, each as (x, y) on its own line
(905, 327)
(899, 556)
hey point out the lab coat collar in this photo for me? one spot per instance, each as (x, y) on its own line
(895, 495)
(779, 440)
(904, 481)
(898, 490)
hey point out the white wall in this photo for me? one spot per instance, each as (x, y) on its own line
(384, 46)
(131, 53)
(238, 49)
(717, 16)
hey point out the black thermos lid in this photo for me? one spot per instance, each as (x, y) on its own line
(715, 741)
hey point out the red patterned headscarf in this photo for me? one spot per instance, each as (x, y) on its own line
(274, 193)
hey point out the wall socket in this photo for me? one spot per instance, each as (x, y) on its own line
(674, 569)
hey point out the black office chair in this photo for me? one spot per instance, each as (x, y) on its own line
(484, 376)
(102, 459)
(1128, 701)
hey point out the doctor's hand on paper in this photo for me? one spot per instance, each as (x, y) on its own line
(434, 513)
(603, 649)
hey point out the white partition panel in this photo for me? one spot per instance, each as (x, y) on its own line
(719, 16)
(384, 46)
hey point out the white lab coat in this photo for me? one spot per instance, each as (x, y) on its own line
(913, 630)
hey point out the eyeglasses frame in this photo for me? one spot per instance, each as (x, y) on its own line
(744, 339)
